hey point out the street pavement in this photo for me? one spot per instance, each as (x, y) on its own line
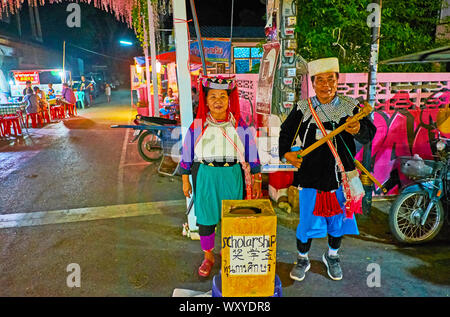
(77, 193)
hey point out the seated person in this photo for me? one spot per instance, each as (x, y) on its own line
(28, 85)
(67, 95)
(170, 98)
(42, 101)
(32, 101)
(51, 92)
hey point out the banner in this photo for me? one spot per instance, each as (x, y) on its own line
(266, 77)
(23, 77)
(135, 83)
(216, 50)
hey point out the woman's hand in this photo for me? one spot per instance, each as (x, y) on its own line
(292, 157)
(353, 128)
(256, 187)
(187, 188)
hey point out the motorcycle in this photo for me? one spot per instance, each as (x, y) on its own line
(418, 213)
(155, 137)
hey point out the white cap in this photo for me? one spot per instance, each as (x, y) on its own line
(323, 65)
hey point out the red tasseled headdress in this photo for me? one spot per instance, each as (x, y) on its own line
(222, 83)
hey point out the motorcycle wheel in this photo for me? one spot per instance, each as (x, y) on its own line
(404, 218)
(149, 147)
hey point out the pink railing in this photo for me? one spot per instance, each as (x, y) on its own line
(410, 109)
(397, 90)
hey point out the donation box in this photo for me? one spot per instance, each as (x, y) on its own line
(249, 234)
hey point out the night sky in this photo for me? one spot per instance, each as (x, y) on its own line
(218, 12)
(101, 32)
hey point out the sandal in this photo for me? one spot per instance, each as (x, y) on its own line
(205, 269)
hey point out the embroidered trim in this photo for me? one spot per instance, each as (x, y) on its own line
(218, 82)
(341, 106)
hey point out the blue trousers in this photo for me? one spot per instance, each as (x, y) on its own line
(311, 226)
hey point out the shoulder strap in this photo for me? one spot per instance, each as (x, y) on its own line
(345, 182)
(298, 129)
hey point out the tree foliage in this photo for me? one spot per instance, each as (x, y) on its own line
(338, 28)
(139, 15)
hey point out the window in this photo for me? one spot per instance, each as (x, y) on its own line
(246, 58)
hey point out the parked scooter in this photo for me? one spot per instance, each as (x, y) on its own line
(419, 212)
(154, 136)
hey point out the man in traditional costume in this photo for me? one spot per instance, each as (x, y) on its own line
(220, 152)
(326, 208)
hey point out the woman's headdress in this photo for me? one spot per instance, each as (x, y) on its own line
(222, 83)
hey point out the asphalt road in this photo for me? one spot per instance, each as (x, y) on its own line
(75, 192)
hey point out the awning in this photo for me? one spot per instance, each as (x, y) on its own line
(437, 55)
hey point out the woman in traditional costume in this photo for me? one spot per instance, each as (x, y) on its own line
(220, 153)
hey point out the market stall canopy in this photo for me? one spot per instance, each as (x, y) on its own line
(437, 55)
(169, 57)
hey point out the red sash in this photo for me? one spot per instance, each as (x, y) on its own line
(324, 201)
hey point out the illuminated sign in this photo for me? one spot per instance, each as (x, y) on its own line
(23, 77)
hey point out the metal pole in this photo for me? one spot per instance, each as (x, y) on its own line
(371, 97)
(199, 37)
(147, 68)
(64, 63)
(184, 80)
(151, 26)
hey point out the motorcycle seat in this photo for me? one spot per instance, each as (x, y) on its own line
(156, 120)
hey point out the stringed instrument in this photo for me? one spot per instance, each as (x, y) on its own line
(365, 111)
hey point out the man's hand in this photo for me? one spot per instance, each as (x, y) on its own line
(353, 128)
(256, 187)
(292, 158)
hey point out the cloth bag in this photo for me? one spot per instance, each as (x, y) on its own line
(356, 186)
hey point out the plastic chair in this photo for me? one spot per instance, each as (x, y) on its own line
(80, 98)
(35, 118)
(2, 129)
(11, 121)
(71, 110)
(45, 116)
(53, 115)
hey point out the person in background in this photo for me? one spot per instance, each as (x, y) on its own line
(32, 101)
(51, 92)
(42, 102)
(108, 92)
(85, 88)
(67, 95)
(170, 98)
(28, 85)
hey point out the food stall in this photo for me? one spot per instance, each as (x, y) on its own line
(12, 107)
(166, 70)
(38, 77)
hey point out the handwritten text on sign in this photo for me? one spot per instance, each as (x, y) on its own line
(249, 255)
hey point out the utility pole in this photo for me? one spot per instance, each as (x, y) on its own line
(374, 22)
(199, 37)
(147, 68)
(151, 26)
(184, 80)
(64, 63)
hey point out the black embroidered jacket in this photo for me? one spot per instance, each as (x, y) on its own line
(319, 169)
